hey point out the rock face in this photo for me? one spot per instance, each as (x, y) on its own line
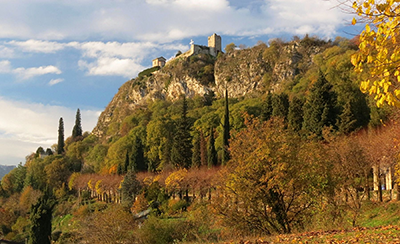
(258, 69)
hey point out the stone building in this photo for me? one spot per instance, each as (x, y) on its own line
(214, 47)
(159, 62)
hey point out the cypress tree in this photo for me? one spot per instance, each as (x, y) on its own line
(320, 108)
(77, 130)
(181, 152)
(203, 150)
(138, 160)
(226, 135)
(60, 145)
(40, 217)
(295, 114)
(196, 156)
(212, 153)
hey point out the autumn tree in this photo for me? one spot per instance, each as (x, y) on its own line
(77, 130)
(379, 52)
(279, 170)
(60, 145)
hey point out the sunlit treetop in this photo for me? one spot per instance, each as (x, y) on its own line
(379, 49)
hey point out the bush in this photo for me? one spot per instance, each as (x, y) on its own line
(163, 231)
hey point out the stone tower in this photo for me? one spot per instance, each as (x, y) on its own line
(214, 43)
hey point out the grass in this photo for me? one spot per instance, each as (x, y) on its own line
(378, 223)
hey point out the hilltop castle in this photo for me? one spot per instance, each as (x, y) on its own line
(214, 47)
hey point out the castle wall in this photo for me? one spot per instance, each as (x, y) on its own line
(197, 49)
(214, 42)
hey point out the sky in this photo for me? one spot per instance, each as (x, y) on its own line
(60, 55)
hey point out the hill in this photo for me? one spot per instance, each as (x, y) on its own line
(271, 139)
(4, 169)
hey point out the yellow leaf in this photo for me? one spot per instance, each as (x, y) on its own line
(354, 21)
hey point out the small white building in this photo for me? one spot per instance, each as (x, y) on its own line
(159, 62)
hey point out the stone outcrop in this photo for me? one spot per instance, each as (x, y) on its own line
(241, 72)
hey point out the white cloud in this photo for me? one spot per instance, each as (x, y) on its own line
(27, 73)
(112, 66)
(38, 46)
(6, 52)
(5, 66)
(161, 20)
(192, 4)
(29, 125)
(52, 82)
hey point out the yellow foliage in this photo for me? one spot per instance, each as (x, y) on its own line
(378, 52)
(176, 179)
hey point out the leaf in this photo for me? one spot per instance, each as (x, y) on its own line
(354, 21)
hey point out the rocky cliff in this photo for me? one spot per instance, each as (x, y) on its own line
(252, 70)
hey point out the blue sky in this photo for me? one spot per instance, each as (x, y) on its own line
(57, 56)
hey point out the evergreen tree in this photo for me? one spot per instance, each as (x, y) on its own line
(266, 109)
(280, 105)
(320, 108)
(130, 188)
(196, 156)
(60, 145)
(348, 122)
(49, 152)
(203, 150)
(181, 152)
(212, 153)
(226, 136)
(40, 217)
(295, 114)
(124, 169)
(77, 130)
(138, 160)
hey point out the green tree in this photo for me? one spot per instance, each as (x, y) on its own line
(320, 107)
(39, 152)
(266, 109)
(138, 159)
(60, 145)
(212, 153)
(280, 105)
(130, 188)
(196, 156)
(77, 130)
(348, 121)
(181, 152)
(40, 217)
(295, 114)
(203, 150)
(230, 47)
(226, 135)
